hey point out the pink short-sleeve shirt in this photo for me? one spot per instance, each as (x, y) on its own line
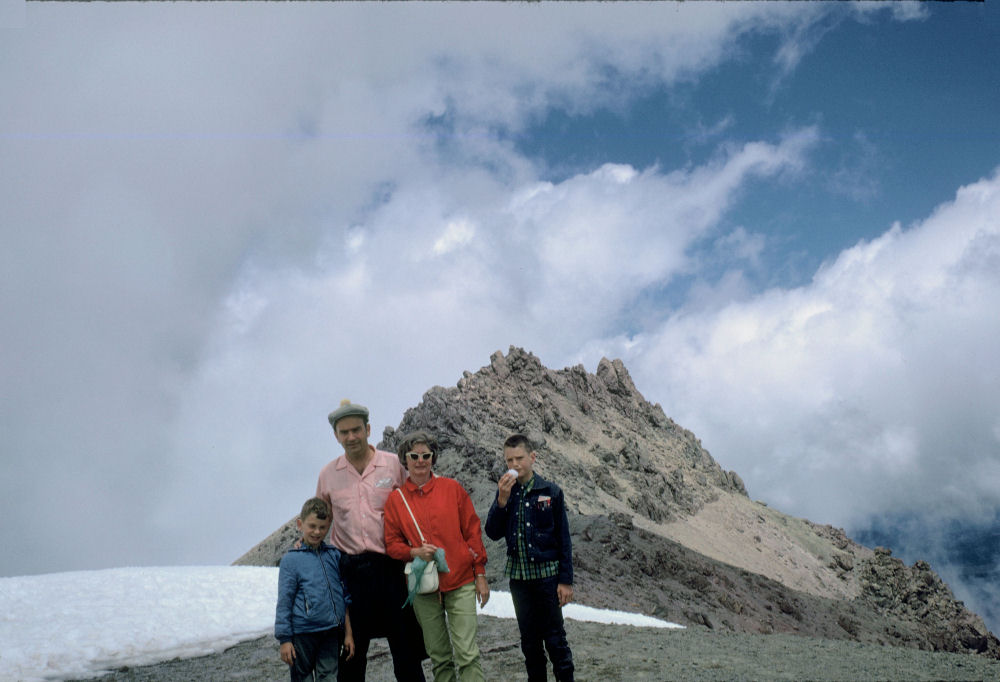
(358, 500)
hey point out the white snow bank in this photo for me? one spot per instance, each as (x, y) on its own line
(80, 624)
(501, 606)
(74, 624)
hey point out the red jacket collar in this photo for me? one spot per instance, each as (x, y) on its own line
(426, 487)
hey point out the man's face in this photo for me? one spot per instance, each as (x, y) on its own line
(521, 461)
(352, 433)
(314, 529)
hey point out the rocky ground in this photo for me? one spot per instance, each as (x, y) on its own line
(604, 652)
(621, 566)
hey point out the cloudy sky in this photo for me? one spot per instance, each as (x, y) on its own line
(218, 221)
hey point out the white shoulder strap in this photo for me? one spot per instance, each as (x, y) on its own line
(415, 524)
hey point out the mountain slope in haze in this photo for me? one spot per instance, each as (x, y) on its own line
(659, 527)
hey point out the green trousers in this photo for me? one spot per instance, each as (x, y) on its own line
(449, 623)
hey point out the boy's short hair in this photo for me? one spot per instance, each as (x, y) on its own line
(317, 506)
(519, 440)
(415, 438)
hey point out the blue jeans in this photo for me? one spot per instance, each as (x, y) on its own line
(316, 651)
(539, 618)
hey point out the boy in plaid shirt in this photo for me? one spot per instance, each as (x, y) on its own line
(530, 512)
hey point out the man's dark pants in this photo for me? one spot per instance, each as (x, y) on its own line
(378, 589)
(539, 617)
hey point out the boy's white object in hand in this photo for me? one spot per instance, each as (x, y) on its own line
(512, 472)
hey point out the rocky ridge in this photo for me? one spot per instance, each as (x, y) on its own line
(660, 528)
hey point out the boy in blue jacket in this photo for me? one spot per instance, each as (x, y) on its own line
(312, 618)
(530, 513)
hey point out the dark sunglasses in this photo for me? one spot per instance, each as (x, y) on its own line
(419, 455)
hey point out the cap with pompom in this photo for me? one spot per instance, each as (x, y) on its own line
(348, 409)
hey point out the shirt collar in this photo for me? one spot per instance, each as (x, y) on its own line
(426, 487)
(342, 463)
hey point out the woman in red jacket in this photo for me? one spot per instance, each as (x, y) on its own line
(448, 521)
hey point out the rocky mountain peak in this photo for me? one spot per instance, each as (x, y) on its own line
(658, 526)
(594, 430)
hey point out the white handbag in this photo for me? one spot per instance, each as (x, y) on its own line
(429, 578)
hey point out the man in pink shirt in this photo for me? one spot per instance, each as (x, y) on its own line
(356, 485)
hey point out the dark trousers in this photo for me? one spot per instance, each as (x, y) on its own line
(316, 651)
(539, 618)
(378, 590)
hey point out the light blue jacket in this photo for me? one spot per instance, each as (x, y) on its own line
(311, 595)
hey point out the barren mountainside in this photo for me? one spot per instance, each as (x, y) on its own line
(659, 527)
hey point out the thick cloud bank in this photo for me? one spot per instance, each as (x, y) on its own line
(870, 389)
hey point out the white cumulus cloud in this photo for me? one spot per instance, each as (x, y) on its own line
(870, 389)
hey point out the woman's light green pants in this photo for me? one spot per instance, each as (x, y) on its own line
(454, 613)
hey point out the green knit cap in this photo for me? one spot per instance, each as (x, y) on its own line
(348, 409)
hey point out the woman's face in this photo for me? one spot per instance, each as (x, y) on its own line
(419, 468)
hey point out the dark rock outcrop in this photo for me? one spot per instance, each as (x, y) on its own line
(917, 595)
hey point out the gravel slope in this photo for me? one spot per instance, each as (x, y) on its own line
(604, 652)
